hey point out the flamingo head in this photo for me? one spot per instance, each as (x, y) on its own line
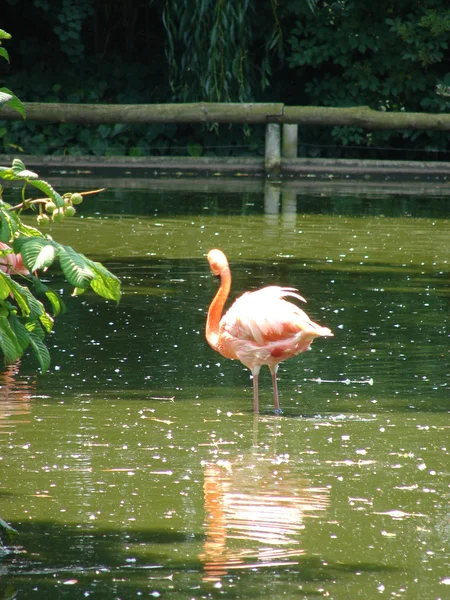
(217, 261)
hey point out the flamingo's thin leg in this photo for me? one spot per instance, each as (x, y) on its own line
(255, 373)
(276, 400)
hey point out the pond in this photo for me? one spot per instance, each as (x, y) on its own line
(136, 468)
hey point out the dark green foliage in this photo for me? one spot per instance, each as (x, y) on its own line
(24, 320)
(25, 250)
(388, 55)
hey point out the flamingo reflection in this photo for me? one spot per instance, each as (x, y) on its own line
(15, 394)
(255, 509)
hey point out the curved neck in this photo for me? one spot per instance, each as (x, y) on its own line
(216, 308)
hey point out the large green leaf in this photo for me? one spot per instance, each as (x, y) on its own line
(56, 302)
(20, 331)
(9, 344)
(30, 231)
(104, 284)
(58, 305)
(75, 267)
(21, 172)
(19, 293)
(46, 322)
(37, 252)
(17, 165)
(4, 54)
(14, 102)
(5, 289)
(7, 173)
(28, 304)
(37, 309)
(40, 350)
(9, 224)
(47, 189)
(4, 97)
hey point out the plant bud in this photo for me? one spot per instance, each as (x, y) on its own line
(50, 207)
(69, 211)
(58, 215)
(76, 198)
(43, 219)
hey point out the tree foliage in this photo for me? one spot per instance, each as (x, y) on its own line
(390, 56)
(26, 253)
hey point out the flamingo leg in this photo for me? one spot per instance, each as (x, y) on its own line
(255, 373)
(276, 401)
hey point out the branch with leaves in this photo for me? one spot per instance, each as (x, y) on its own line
(24, 320)
(7, 97)
(25, 252)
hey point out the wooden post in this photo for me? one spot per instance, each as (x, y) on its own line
(272, 192)
(290, 141)
(289, 207)
(272, 157)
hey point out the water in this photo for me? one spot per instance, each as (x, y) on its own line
(136, 467)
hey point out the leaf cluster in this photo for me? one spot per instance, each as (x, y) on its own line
(25, 320)
(7, 97)
(374, 54)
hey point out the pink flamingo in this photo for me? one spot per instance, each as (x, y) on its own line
(12, 263)
(260, 328)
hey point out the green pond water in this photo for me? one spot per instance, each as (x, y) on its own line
(136, 468)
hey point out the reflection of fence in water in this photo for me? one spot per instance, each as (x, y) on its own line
(15, 395)
(254, 515)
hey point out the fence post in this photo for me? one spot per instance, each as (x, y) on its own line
(290, 141)
(272, 161)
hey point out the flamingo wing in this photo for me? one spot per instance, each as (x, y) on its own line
(262, 327)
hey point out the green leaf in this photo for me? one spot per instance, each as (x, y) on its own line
(37, 252)
(5, 290)
(78, 291)
(75, 267)
(4, 54)
(18, 292)
(56, 302)
(58, 305)
(40, 350)
(13, 102)
(36, 307)
(17, 165)
(4, 97)
(9, 344)
(7, 173)
(105, 284)
(29, 231)
(45, 257)
(20, 331)
(9, 224)
(21, 172)
(46, 322)
(28, 304)
(47, 189)
(4, 35)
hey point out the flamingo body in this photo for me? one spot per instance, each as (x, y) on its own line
(260, 328)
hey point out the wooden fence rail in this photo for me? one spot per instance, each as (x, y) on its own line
(272, 115)
(358, 116)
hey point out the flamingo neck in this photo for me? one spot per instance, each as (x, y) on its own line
(216, 308)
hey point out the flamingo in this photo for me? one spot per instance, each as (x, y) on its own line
(11, 263)
(260, 328)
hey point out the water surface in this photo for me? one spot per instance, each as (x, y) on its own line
(136, 467)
